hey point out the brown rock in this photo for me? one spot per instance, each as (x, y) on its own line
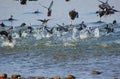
(115, 78)
(56, 77)
(15, 76)
(95, 72)
(4, 75)
(70, 77)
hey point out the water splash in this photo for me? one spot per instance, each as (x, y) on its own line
(96, 33)
(8, 44)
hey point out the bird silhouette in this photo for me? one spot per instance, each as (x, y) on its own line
(37, 11)
(73, 14)
(67, 0)
(62, 27)
(5, 33)
(44, 21)
(49, 8)
(23, 2)
(104, 5)
(105, 9)
(11, 18)
(2, 24)
(100, 14)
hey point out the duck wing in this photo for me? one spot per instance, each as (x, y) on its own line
(43, 6)
(50, 5)
(101, 1)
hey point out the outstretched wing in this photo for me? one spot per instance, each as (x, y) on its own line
(43, 6)
(59, 25)
(106, 1)
(115, 10)
(101, 1)
(41, 20)
(50, 5)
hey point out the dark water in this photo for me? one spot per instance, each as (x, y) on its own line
(59, 56)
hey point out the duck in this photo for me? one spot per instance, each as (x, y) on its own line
(82, 26)
(49, 12)
(4, 33)
(2, 24)
(44, 22)
(11, 18)
(62, 27)
(30, 29)
(101, 14)
(23, 2)
(67, 0)
(104, 5)
(109, 28)
(23, 24)
(36, 12)
(114, 22)
(73, 14)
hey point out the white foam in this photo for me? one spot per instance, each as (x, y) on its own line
(83, 34)
(68, 44)
(74, 33)
(24, 34)
(15, 35)
(96, 32)
(37, 36)
(8, 44)
(117, 41)
(48, 35)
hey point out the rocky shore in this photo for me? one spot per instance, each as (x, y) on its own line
(18, 76)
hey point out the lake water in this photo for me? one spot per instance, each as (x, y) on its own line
(60, 56)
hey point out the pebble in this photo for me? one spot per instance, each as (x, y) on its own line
(95, 72)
